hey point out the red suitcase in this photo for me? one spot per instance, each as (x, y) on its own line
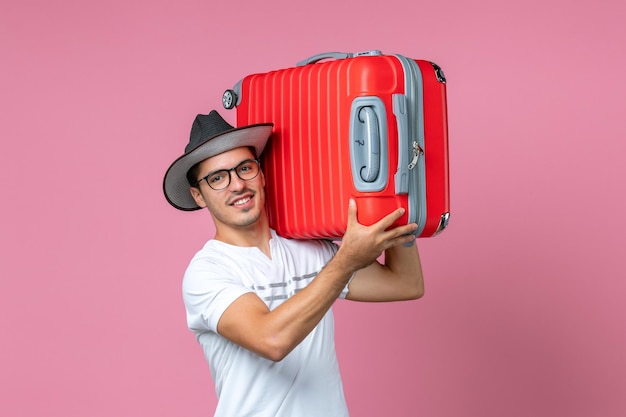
(366, 125)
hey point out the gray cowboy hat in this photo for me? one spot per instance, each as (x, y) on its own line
(210, 135)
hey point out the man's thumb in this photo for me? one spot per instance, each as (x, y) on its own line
(352, 211)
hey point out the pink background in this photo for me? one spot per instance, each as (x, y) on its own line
(524, 313)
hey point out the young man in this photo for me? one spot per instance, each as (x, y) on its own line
(259, 304)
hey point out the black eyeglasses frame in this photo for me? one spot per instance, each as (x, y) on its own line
(245, 161)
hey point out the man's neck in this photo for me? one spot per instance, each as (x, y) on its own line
(257, 235)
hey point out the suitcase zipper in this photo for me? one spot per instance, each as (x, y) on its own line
(417, 152)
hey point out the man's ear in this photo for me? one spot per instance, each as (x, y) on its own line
(197, 196)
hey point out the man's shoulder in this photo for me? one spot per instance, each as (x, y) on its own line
(211, 254)
(212, 263)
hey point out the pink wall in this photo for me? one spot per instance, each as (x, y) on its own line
(524, 312)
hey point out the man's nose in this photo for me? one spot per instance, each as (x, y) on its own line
(236, 183)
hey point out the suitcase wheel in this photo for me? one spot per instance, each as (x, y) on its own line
(229, 98)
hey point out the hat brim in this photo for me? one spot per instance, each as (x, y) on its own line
(175, 185)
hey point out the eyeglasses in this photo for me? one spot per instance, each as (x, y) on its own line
(218, 180)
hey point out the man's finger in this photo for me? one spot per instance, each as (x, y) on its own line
(406, 229)
(352, 212)
(390, 219)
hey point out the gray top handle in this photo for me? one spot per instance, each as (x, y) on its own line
(336, 55)
(325, 55)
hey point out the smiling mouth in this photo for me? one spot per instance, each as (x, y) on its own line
(241, 201)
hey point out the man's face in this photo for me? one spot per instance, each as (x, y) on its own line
(238, 205)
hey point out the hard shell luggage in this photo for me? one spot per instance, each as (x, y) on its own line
(367, 125)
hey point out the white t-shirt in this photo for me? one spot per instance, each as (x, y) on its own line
(307, 382)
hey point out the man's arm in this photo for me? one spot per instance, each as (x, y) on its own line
(273, 334)
(399, 278)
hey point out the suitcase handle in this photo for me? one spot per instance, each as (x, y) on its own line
(368, 144)
(369, 172)
(402, 118)
(336, 55)
(325, 55)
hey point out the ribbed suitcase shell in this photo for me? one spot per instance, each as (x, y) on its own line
(307, 162)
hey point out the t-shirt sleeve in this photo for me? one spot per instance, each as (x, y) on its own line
(208, 290)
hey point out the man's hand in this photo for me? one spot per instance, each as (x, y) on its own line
(361, 245)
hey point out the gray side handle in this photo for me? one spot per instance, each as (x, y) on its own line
(369, 172)
(402, 175)
(369, 137)
(325, 55)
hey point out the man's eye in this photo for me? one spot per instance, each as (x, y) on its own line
(216, 178)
